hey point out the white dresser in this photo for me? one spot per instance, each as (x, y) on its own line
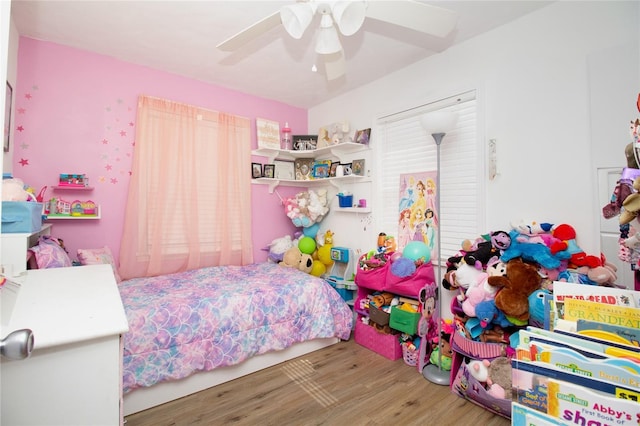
(74, 374)
(13, 247)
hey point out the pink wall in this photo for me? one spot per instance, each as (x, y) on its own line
(76, 112)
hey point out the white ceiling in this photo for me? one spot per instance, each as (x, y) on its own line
(181, 37)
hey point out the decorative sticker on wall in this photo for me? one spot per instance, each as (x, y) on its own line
(118, 140)
(21, 137)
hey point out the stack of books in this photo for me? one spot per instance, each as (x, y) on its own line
(585, 368)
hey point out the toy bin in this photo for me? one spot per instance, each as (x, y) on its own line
(386, 345)
(21, 217)
(404, 321)
(410, 355)
(345, 200)
(468, 387)
(378, 316)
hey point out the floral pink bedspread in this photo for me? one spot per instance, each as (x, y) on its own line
(206, 318)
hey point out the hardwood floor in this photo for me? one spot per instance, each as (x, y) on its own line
(345, 384)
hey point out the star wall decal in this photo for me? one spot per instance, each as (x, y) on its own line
(114, 181)
(123, 133)
(24, 145)
(28, 96)
(24, 162)
(105, 141)
(108, 167)
(22, 110)
(20, 128)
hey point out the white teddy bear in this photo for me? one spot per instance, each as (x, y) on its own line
(13, 190)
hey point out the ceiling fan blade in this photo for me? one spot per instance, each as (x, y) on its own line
(254, 31)
(334, 65)
(421, 17)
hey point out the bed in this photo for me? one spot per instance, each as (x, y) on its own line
(196, 329)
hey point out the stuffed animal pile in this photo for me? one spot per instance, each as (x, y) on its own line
(501, 278)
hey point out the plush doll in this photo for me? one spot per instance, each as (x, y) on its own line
(294, 258)
(13, 190)
(488, 314)
(520, 281)
(479, 369)
(278, 247)
(442, 355)
(537, 307)
(499, 378)
(494, 246)
(534, 252)
(567, 236)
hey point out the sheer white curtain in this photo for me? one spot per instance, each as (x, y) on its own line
(189, 200)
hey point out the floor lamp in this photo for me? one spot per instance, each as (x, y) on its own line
(438, 123)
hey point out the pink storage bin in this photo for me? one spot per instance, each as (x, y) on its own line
(410, 286)
(373, 279)
(386, 345)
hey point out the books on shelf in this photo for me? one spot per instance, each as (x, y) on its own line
(587, 369)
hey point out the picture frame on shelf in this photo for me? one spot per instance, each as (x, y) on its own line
(305, 142)
(321, 170)
(268, 171)
(284, 170)
(357, 167)
(304, 168)
(332, 169)
(362, 136)
(348, 168)
(268, 133)
(256, 170)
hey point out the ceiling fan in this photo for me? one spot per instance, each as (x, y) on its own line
(348, 16)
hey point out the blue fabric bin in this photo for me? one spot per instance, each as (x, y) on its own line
(21, 217)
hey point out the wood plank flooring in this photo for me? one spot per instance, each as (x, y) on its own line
(345, 384)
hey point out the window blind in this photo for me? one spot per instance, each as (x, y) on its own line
(404, 147)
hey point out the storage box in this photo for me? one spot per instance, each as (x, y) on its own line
(404, 321)
(378, 316)
(386, 345)
(21, 217)
(345, 290)
(345, 200)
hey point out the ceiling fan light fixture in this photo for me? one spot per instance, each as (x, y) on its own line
(349, 15)
(296, 18)
(328, 41)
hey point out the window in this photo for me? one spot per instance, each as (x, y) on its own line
(189, 203)
(404, 147)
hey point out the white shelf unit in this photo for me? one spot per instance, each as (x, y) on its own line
(15, 246)
(336, 151)
(333, 151)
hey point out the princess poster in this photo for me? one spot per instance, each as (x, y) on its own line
(417, 213)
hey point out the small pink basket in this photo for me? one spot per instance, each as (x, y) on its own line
(410, 356)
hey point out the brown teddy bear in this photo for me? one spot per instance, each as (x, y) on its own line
(294, 258)
(520, 281)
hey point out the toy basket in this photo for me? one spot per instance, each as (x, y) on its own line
(409, 355)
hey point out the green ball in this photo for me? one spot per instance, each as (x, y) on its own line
(415, 250)
(307, 245)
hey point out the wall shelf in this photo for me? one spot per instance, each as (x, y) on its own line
(331, 151)
(72, 188)
(336, 182)
(353, 209)
(70, 217)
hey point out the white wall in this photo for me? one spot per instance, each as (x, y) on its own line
(537, 78)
